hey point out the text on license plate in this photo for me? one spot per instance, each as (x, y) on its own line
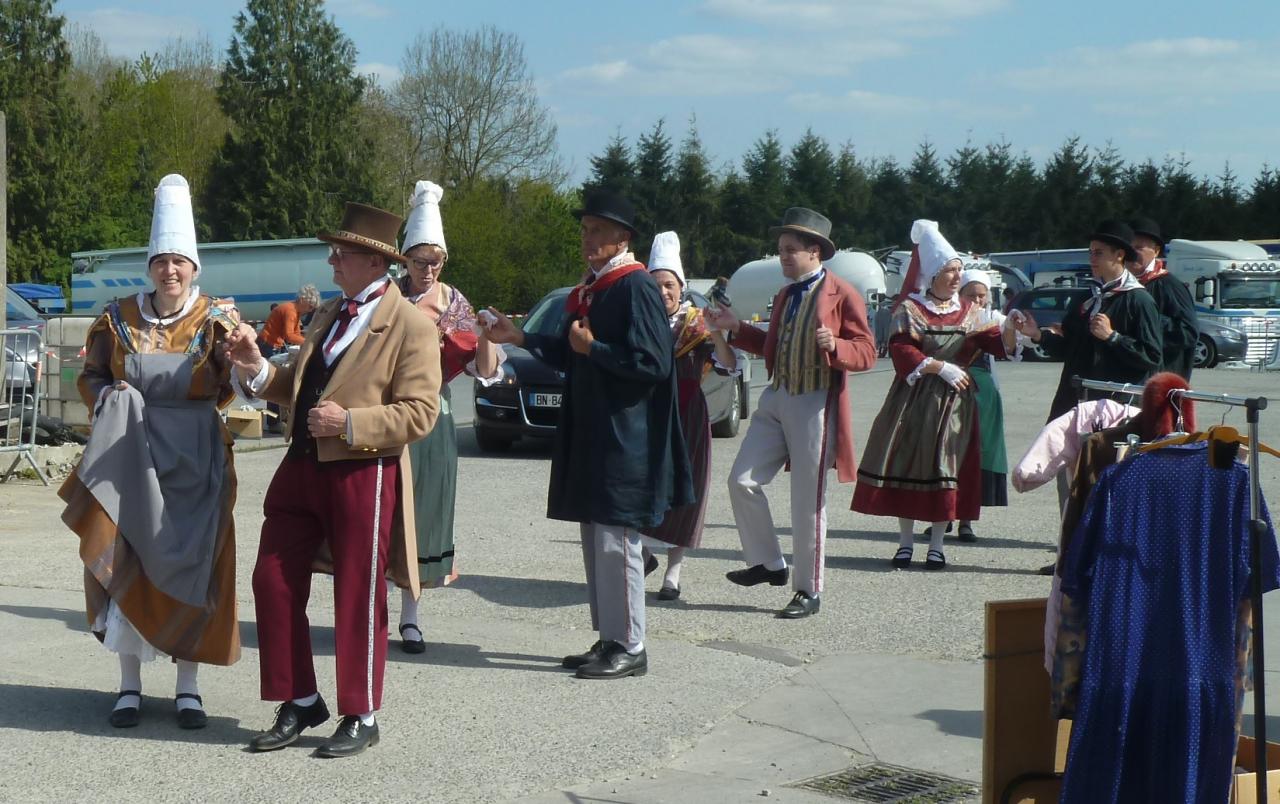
(544, 400)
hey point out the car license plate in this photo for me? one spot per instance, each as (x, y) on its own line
(545, 400)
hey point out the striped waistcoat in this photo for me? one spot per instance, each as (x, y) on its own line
(798, 367)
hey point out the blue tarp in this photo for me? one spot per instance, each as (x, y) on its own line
(45, 297)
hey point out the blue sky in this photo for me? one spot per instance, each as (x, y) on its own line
(1155, 79)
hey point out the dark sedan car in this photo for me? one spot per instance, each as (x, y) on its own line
(1048, 305)
(526, 402)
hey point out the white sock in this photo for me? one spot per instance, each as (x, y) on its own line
(935, 536)
(906, 534)
(675, 558)
(776, 564)
(187, 672)
(130, 679)
(409, 615)
(307, 701)
(633, 647)
(366, 718)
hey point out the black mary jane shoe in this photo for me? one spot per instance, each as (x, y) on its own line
(757, 575)
(935, 560)
(291, 719)
(966, 534)
(191, 718)
(802, 605)
(669, 592)
(352, 737)
(902, 558)
(650, 565)
(576, 660)
(418, 645)
(127, 717)
(615, 662)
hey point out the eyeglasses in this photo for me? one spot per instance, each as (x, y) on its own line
(338, 253)
(424, 265)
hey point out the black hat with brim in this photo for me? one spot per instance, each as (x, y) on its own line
(610, 206)
(1148, 228)
(1118, 234)
(801, 221)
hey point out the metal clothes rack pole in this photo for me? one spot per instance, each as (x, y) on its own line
(1257, 529)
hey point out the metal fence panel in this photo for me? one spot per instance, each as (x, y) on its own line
(23, 351)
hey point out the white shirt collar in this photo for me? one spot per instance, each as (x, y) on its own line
(625, 258)
(1151, 266)
(192, 295)
(808, 276)
(929, 304)
(371, 287)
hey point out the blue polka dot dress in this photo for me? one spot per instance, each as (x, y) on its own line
(1160, 563)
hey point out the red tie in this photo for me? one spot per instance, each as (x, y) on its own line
(347, 314)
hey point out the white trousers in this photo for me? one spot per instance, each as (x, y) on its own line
(785, 428)
(615, 582)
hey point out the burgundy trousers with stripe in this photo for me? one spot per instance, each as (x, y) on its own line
(350, 506)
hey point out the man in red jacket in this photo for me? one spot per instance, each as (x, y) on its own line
(817, 333)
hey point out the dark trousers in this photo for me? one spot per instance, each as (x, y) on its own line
(348, 505)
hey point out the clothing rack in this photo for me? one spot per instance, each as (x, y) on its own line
(1257, 529)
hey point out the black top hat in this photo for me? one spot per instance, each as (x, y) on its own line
(368, 228)
(799, 220)
(611, 206)
(1148, 228)
(1118, 234)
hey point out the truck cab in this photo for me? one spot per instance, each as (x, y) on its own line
(1235, 283)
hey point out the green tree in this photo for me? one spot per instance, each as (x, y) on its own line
(613, 169)
(969, 199)
(695, 213)
(1066, 214)
(1224, 208)
(295, 151)
(652, 187)
(1105, 185)
(811, 175)
(890, 216)
(759, 201)
(852, 200)
(926, 186)
(1263, 207)
(45, 169)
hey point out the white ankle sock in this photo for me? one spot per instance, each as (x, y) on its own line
(187, 672)
(935, 536)
(633, 648)
(308, 700)
(776, 564)
(906, 534)
(409, 615)
(130, 679)
(675, 558)
(366, 718)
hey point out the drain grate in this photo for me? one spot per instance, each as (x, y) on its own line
(891, 784)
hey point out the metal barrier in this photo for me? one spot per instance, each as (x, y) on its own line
(23, 351)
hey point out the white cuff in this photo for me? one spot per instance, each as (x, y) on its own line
(486, 381)
(257, 381)
(915, 375)
(351, 436)
(951, 374)
(736, 371)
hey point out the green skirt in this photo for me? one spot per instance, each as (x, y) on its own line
(995, 463)
(434, 461)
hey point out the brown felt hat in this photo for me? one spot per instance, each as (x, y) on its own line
(367, 228)
(807, 222)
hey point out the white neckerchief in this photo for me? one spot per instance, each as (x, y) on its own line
(625, 258)
(1105, 290)
(358, 324)
(679, 314)
(192, 295)
(1151, 266)
(953, 303)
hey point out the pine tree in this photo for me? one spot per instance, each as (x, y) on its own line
(970, 199)
(764, 194)
(1105, 193)
(46, 177)
(811, 174)
(696, 191)
(295, 152)
(652, 187)
(1263, 208)
(1181, 199)
(926, 186)
(891, 213)
(1066, 214)
(612, 170)
(852, 200)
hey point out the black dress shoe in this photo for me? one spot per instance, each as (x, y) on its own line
(291, 719)
(802, 605)
(615, 662)
(579, 659)
(650, 565)
(351, 738)
(412, 645)
(668, 592)
(191, 718)
(127, 717)
(758, 574)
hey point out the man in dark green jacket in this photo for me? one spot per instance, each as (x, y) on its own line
(1178, 322)
(619, 461)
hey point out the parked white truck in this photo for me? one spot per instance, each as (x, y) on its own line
(1237, 284)
(256, 274)
(753, 286)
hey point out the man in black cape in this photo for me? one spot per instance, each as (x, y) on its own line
(619, 461)
(1178, 321)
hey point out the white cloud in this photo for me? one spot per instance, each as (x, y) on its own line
(384, 74)
(861, 101)
(129, 33)
(711, 64)
(872, 15)
(1190, 70)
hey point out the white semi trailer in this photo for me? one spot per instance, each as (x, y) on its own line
(753, 286)
(1234, 283)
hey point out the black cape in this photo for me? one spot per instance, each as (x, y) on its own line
(1179, 323)
(1132, 357)
(619, 456)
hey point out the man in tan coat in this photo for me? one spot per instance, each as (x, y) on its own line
(365, 384)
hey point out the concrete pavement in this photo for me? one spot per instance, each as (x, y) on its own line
(737, 703)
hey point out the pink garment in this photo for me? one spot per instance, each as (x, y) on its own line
(1058, 444)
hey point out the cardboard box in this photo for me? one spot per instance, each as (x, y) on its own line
(1244, 786)
(245, 423)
